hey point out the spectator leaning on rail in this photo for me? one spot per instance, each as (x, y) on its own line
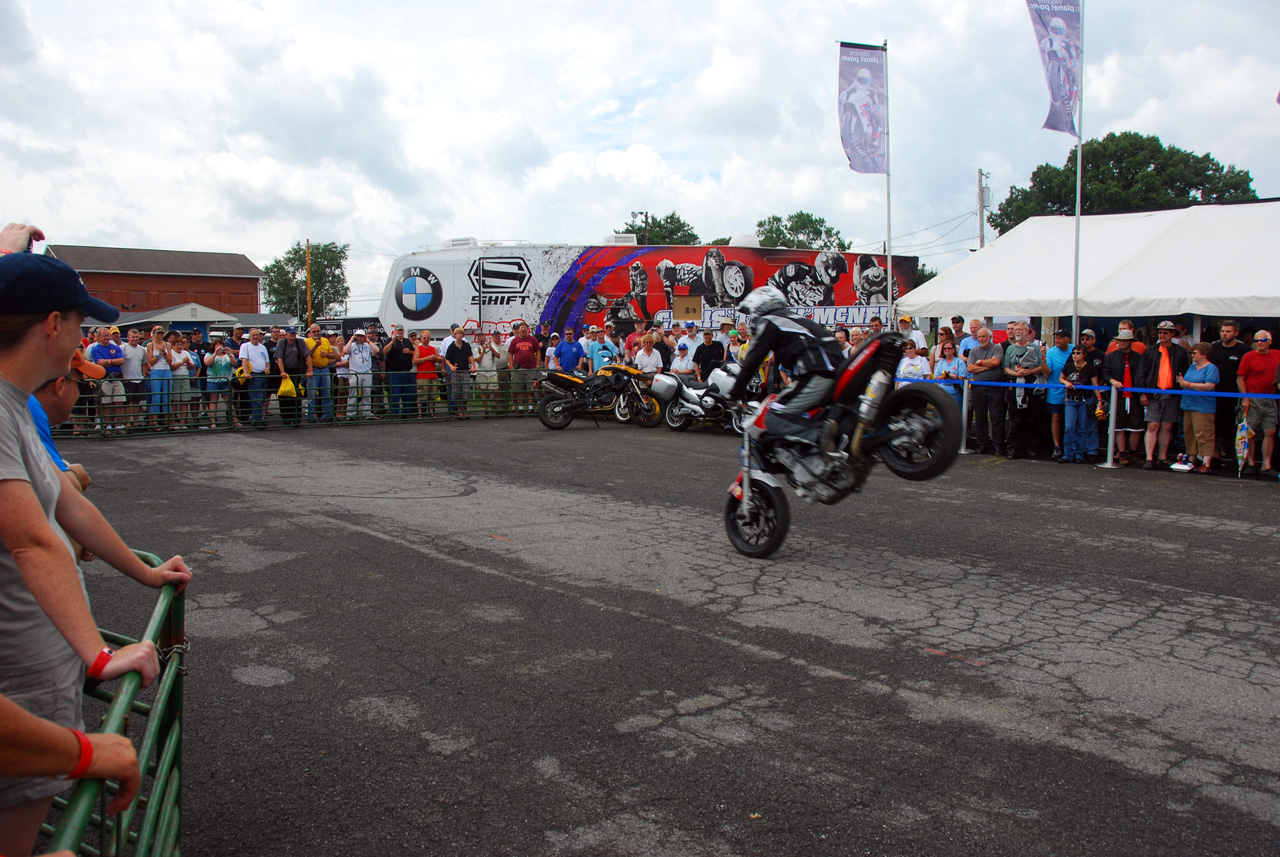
(1123, 369)
(985, 362)
(1199, 411)
(49, 633)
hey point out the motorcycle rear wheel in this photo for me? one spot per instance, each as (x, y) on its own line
(764, 531)
(648, 413)
(931, 419)
(555, 412)
(678, 420)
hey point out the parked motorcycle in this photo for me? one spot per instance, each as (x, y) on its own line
(685, 400)
(914, 430)
(615, 388)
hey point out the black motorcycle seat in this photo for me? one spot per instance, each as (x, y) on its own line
(691, 383)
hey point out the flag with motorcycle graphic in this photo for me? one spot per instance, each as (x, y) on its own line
(1057, 26)
(861, 103)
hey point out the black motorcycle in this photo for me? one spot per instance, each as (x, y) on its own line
(914, 430)
(617, 389)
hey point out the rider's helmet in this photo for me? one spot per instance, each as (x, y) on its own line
(864, 77)
(1058, 28)
(762, 300)
(830, 266)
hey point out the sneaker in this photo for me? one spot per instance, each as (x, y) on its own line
(1149, 464)
(1248, 470)
(1267, 472)
(1057, 453)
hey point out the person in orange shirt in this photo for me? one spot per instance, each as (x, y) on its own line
(1138, 346)
(1163, 364)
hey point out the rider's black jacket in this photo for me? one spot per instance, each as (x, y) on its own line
(803, 346)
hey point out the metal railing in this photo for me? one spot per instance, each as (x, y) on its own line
(156, 812)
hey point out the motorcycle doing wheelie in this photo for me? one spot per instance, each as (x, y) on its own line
(685, 400)
(615, 388)
(915, 430)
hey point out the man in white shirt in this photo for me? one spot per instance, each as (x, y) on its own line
(907, 330)
(254, 359)
(360, 364)
(682, 363)
(135, 388)
(690, 339)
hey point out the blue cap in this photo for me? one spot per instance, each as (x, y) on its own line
(291, 329)
(31, 285)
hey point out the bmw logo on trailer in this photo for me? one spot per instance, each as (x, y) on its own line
(419, 294)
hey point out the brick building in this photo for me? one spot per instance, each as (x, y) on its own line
(146, 280)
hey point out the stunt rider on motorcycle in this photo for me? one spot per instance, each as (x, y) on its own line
(809, 350)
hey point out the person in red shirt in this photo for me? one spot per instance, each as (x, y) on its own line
(425, 359)
(1257, 374)
(525, 355)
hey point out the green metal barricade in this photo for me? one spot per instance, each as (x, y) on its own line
(151, 825)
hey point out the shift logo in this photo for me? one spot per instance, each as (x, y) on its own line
(419, 294)
(499, 281)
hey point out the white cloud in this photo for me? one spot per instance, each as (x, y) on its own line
(389, 125)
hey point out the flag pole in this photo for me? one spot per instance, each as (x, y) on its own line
(1075, 285)
(888, 216)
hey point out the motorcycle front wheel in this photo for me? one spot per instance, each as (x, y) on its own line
(647, 413)
(761, 530)
(622, 409)
(926, 425)
(678, 419)
(554, 412)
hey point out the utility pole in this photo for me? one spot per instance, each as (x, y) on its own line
(308, 282)
(984, 202)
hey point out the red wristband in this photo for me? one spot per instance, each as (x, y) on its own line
(100, 663)
(5, 251)
(86, 756)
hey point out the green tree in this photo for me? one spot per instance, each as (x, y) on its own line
(1123, 172)
(284, 280)
(801, 230)
(669, 229)
(924, 274)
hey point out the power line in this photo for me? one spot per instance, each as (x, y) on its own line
(927, 244)
(874, 244)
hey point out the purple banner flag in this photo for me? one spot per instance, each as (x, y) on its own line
(862, 107)
(1057, 26)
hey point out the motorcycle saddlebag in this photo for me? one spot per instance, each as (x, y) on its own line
(663, 387)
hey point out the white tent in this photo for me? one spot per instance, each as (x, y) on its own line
(1212, 260)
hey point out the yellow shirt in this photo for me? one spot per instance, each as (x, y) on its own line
(321, 352)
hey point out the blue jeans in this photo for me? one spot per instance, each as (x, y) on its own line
(257, 397)
(1079, 426)
(404, 393)
(159, 386)
(321, 385)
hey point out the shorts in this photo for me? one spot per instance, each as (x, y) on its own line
(1261, 415)
(217, 386)
(1163, 408)
(181, 389)
(112, 391)
(522, 380)
(134, 391)
(54, 693)
(1055, 408)
(1133, 419)
(486, 380)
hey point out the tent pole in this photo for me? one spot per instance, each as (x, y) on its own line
(888, 218)
(1075, 284)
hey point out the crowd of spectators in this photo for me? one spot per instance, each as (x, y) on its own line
(1041, 406)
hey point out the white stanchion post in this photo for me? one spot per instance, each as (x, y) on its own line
(964, 420)
(1110, 463)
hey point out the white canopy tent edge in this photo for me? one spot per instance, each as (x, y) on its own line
(1210, 260)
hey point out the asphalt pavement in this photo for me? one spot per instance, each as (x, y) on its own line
(488, 638)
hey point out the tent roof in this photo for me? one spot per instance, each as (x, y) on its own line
(1219, 259)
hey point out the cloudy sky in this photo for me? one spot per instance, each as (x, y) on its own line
(246, 126)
